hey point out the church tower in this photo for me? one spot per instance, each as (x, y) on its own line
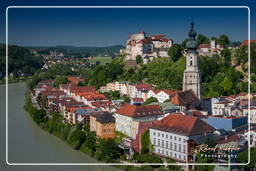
(191, 76)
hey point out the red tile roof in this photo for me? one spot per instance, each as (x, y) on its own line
(55, 93)
(143, 86)
(94, 96)
(183, 124)
(245, 42)
(75, 80)
(204, 46)
(137, 99)
(103, 104)
(183, 98)
(82, 89)
(140, 111)
(170, 92)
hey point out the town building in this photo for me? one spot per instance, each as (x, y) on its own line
(252, 115)
(171, 136)
(148, 47)
(245, 42)
(184, 99)
(103, 125)
(129, 113)
(252, 134)
(227, 123)
(210, 49)
(74, 80)
(191, 76)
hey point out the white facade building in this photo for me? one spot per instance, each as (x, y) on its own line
(148, 47)
(171, 136)
(127, 114)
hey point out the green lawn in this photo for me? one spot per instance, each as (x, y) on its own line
(102, 60)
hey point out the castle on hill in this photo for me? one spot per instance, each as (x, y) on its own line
(148, 47)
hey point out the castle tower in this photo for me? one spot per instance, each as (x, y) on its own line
(191, 76)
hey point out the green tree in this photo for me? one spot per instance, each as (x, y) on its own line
(223, 40)
(184, 42)
(145, 142)
(202, 39)
(215, 38)
(243, 158)
(109, 149)
(148, 158)
(139, 59)
(203, 167)
(226, 55)
(175, 52)
(173, 167)
(126, 99)
(60, 80)
(150, 100)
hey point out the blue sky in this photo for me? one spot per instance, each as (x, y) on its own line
(104, 27)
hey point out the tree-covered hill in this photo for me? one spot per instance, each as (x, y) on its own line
(20, 61)
(218, 75)
(73, 51)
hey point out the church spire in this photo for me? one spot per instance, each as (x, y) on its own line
(192, 44)
(191, 77)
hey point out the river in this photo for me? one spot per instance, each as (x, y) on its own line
(30, 144)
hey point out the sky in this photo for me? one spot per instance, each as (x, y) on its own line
(112, 26)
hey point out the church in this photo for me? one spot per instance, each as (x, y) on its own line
(191, 76)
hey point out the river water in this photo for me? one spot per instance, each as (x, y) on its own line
(27, 143)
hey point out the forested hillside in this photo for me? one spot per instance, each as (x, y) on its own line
(218, 74)
(20, 61)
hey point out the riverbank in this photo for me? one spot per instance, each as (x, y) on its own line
(80, 137)
(15, 80)
(28, 143)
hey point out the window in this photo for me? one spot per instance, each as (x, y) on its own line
(175, 138)
(166, 144)
(162, 143)
(175, 146)
(154, 141)
(166, 136)
(184, 157)
(175, 155)
(158, 150)
(179, 147)
(158, 134)
(184, 148)
(162, 135)
(154, 133)
(179, 156)
(158, 142)
(190, 63)
(184, 140)
(170, 137)
(179, 139)
(167, 153)
(162, 151)
(171, 145)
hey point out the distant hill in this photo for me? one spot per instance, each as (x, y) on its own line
(75, 51)
(20, 61)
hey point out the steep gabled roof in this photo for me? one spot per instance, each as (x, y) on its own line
(140, 111)
(183, 98)
(183, 125)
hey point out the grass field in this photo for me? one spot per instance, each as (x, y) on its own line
(102, 60)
